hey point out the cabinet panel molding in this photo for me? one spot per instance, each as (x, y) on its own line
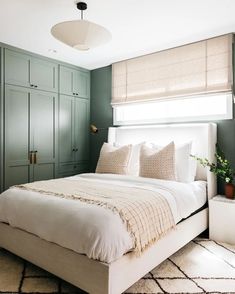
(82, 131)
(43, 124)
(70, 169)
(44, 75)
(17, 105)
(45, 108)
(66, 128)
(17, 68)
(83, 84)
(74, 121)
(74, 82)
(66, 80)
(30, 128)
(44, 171)
(27, 71)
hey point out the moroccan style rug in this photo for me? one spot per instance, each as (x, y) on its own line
(202, 266)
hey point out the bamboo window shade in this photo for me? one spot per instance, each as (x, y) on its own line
(197, 68)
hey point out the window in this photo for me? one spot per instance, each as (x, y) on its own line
(199, 108)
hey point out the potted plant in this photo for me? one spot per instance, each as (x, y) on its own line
(222, 168)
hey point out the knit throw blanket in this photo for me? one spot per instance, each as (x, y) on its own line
(145, 213)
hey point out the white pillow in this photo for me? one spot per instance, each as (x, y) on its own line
(114, 160)
(184, 163)
(192, 169)
(158, 163)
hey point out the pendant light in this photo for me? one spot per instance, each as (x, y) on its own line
(81, 34)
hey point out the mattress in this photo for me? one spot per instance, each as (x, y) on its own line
(87, 228)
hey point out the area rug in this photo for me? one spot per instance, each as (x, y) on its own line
(202, 266)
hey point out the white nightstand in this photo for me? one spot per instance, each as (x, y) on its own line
(222, 219)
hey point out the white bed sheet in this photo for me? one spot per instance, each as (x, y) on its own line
(90, 229)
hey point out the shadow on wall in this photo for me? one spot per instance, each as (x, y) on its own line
(96, 141)
(226, 141)
(101, 110)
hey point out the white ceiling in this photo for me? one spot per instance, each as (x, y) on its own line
(137, 27)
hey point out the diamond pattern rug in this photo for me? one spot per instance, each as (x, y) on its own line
(202, 266)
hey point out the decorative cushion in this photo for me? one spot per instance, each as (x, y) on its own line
(134, 166)
(114, 160)
(185, 165)
(158, 164)
(134, 163)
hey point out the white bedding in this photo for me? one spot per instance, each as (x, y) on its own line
(90, 229)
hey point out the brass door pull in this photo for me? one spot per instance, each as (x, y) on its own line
(35, 157)
(30, 157)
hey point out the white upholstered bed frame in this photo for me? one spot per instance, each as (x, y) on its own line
(100, 278)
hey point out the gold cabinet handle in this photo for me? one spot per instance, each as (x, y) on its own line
(30, 157)
(35, 157)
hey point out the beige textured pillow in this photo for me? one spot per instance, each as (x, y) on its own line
(114, 160)
(158, 164)
(134, 163)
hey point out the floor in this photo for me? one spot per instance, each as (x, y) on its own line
(202, 266)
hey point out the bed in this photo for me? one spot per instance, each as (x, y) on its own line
(117, 274)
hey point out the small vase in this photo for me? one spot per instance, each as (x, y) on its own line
(229, 190)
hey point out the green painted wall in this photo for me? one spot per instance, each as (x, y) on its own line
(226, 140)
(101, 115)
(101, 110)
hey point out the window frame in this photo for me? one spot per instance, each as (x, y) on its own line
(197, 118)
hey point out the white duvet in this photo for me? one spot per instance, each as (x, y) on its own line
(90, 229)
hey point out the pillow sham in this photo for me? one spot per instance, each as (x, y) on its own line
(114, 160)
(158, 163)
(185, 165)
(134, 163)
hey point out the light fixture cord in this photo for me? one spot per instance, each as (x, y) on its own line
(82, 14)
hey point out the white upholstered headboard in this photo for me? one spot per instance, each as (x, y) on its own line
(203, 136)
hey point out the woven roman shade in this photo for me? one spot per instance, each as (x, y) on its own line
(197, 68)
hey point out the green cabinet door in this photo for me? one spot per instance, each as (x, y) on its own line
(43, 134)
(66, 80)
(81, 129)
(83, 84)
(66, 129)
(28, 71)
(30, 126)
(17, 68)
(17, 167)
(43, 75)
(74, 82)
(73, 135)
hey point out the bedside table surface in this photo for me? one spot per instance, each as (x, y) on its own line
(222, 198)
(222, 219)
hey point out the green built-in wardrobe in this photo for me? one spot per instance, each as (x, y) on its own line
(45, 113)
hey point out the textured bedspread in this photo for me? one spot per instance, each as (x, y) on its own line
(90, 229)
(145, 212)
